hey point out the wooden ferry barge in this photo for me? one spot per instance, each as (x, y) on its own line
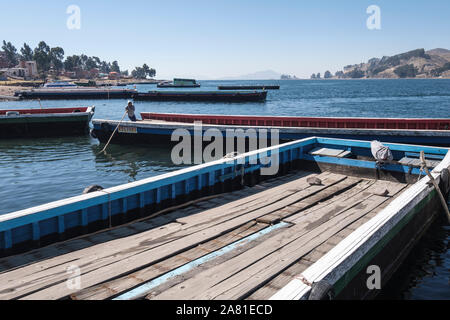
(76, 93)
(179, 83)
(269, 87)
(225, 230)
(32, 123)
(158, 128)
(211, 96)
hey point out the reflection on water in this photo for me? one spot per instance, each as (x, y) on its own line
(44, 170)
(425, 274)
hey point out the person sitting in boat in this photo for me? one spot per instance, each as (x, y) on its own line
(130, 109)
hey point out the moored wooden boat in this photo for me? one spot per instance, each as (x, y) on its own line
(179, 83)
(211, 96)
(31, 123)
(158, 128)
(60, 84)
(324, 216)
(250, 87)
(76, 93)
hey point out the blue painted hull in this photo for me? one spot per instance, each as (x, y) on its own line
(159, 135)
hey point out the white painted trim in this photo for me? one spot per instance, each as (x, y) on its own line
(89, 112)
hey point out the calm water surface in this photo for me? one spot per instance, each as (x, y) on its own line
(35, 172)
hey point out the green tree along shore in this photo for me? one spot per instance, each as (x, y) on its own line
(53, 59)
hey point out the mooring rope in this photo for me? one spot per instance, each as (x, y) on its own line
(114, 132)
(436, 186)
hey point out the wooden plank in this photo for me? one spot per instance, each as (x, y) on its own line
(243, 283)
(116, 286)
(335, 207)
(269, 290)
(253, 267)
(360, 187)
(255, 202)
(345, 154)
(123, 231)
(97, 270)
(279, 282)
(416, 163)
(309, 202)
(326, 152)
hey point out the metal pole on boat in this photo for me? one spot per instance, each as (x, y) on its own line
(110, 138)
(436, 186)
(40, 103)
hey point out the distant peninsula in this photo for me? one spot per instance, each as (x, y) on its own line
(413, 64)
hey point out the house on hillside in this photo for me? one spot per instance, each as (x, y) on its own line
(4, 63)
(3, 76)
(15, 72)
(114, 76)
(30, 67)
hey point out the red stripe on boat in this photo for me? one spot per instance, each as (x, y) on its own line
(45, 111)
(309, 122)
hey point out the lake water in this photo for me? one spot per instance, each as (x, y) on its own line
(39, 171)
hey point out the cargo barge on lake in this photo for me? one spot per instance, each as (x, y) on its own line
(211, 96)
(229, 230)
(76, 93)
(179, 83)
(32, 123)
(158, 128)
(269, 87)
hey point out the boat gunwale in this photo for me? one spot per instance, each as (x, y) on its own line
(283, 117)
(310, 130)
(89, 111)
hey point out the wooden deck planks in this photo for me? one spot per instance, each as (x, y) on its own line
(322, 195)
(283, 279)
(321, 215)
(116, 286)
(59, 250)
(97, 269)
(251, 269)
(280, 281)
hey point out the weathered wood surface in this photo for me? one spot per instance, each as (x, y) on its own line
(253, 268)
(295, 270)
(120, 259)
(116, 286)
(416, 163)
(143, 275)
(111, 259)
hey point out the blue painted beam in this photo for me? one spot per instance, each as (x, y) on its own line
(147, 287)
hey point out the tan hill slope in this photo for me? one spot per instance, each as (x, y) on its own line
(413, 64)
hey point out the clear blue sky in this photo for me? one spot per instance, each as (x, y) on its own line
(219, 38)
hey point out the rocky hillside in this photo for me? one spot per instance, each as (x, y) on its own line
(413, 64)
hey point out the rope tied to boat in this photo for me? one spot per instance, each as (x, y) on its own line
(114, 132)
(433, 181)
(232, 155)
(304, 280)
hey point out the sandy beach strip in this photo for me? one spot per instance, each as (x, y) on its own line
(7, 92)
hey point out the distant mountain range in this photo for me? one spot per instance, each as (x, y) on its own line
(413, 64)
(260, 75)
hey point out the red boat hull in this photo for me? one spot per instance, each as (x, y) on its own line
(306, 122)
